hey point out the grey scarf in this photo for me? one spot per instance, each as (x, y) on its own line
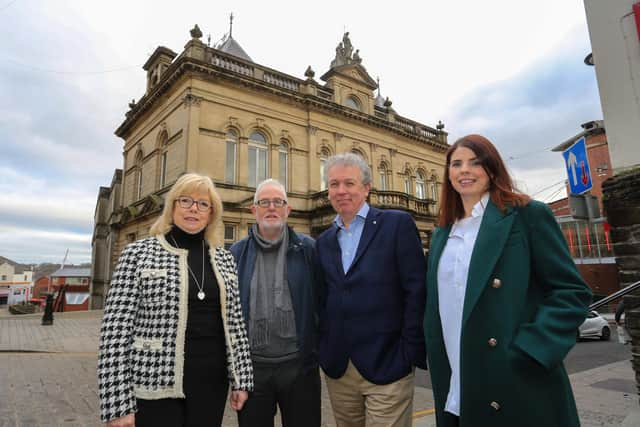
(270, 310)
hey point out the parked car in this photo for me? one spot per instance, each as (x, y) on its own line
(594, 326)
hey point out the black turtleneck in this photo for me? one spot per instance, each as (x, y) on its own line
(205, 332)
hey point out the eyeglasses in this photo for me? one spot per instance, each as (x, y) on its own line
(186, 202)
(277, 203)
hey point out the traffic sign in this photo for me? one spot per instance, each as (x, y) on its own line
(577, 164)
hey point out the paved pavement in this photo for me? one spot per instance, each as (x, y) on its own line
(48, 378)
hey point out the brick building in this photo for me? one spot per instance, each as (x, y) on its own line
(590, 242)
(72, 288)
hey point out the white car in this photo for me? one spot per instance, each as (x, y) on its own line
(594, 326)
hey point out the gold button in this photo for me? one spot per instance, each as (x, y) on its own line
(496, 283)
(495, 405)
(492, 342)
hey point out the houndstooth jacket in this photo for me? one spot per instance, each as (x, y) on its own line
(141, 353)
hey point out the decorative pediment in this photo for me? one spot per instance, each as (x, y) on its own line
(352, 72)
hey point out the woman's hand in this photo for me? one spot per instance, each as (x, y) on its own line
(126, 421)
(237, 399)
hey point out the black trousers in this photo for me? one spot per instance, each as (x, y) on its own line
(286, 385)
(450, 419)
(205, 388)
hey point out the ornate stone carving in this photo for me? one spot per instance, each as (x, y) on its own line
(191, 100)
(312, 130)
(195, 32)
(440, 125)
(356, 57)
(309, 73)
(345, 54)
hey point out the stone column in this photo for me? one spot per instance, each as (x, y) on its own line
(621, 200)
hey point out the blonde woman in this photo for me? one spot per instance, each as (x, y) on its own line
(173, 336)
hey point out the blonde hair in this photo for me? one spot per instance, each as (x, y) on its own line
(188, 184)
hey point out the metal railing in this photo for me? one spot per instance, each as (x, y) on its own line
(618, 294)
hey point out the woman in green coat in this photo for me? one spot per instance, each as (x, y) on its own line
(504, 300)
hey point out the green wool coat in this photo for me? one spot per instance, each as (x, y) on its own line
(524, 302)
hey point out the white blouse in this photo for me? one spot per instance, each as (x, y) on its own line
(453, 270)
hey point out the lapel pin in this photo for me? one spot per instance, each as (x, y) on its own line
(374, 222)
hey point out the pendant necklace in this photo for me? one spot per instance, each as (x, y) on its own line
(200, 287)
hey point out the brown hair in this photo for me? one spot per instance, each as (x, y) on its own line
(501, 188)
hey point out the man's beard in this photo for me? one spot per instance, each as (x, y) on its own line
(264, 226)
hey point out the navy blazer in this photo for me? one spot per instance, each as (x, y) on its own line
(372, 314)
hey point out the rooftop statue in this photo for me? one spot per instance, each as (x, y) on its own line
(345, 54)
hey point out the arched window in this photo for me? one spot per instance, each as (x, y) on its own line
(283, 160)
(359, 153)
(433, 187)
(258, 151)
(324, 155)
(407, 181)
(353, 102)
(420, 187)
(230, 157)
(384, 179)
(138, 175)
(163, 140)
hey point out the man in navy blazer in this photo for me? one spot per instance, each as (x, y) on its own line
(372, 302)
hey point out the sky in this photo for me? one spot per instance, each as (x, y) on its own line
(512, 71)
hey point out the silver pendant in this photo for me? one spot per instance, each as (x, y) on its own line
(201, 295)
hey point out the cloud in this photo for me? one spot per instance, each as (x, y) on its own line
(26, 200)
(505, 69)
(532, 112)
(18, 245)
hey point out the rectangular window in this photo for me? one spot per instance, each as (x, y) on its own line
(323, 182)
(253, 177)
(230, 163)
(283, 169)
(229, 235)
(262, 165)
(139, 184)
(434, 191)
(163, 169)
(229, 232)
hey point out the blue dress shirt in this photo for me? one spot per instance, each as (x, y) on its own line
(349, 238)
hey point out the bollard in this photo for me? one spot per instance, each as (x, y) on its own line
(47, 317)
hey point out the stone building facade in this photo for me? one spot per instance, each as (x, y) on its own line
(214, 111)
